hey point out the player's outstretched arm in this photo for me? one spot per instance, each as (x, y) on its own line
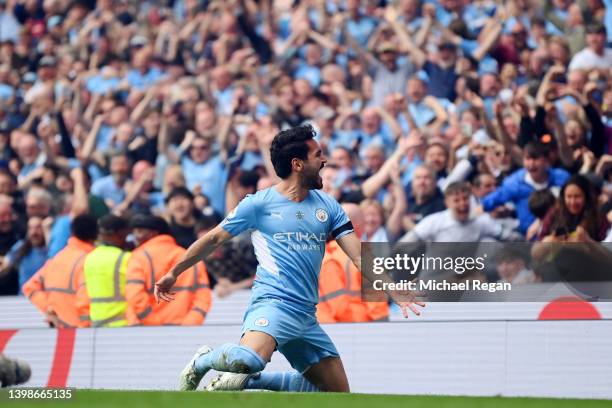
(351, 245)
(197, 252)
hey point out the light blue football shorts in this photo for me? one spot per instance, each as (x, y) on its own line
(298, 334)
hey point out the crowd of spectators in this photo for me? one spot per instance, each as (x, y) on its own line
(169, 107)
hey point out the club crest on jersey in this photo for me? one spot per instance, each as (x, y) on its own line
(262, 322)
(321, 215)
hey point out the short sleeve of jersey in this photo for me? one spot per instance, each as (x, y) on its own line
(340, 223)
(241, 218)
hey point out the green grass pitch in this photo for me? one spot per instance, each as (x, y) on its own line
(154, 399)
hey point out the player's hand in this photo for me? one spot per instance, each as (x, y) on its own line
(407, 302)
(162, 288)
(406, 307)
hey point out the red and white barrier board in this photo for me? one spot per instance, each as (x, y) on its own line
(528, 358)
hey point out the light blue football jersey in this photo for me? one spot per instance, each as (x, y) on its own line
(289, 239)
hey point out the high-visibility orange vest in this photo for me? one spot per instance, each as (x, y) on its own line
(58, 285)
(148, 263)
(340, 291)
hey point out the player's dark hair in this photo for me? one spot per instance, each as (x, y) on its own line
(85, 227)
(249, 178)
(288, 145)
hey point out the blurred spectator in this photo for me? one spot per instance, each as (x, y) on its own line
(596, 55)
(181, 212)
(9, 25)
(540, 203)
(233, 265)
(27, 256)
(155, 255)
(374, 222)
(38, 202)
(512, 267)
(458, 223)
(111, 188)
(10, 234)
(577, 214)
(536, 175)
(205, 172)
(57, 286)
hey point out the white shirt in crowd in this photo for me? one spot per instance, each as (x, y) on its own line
(444, 227)
(380, 235)
(588, 59)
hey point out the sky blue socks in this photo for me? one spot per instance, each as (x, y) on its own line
(282, 381)
(230, 358)
(241, 359)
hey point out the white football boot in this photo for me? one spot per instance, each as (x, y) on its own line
(189, 379)
(229, 382)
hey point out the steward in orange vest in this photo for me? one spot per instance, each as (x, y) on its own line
(156, 254)
(57, 287)
(340, 284)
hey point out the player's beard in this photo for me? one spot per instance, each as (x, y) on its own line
(312, 179)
